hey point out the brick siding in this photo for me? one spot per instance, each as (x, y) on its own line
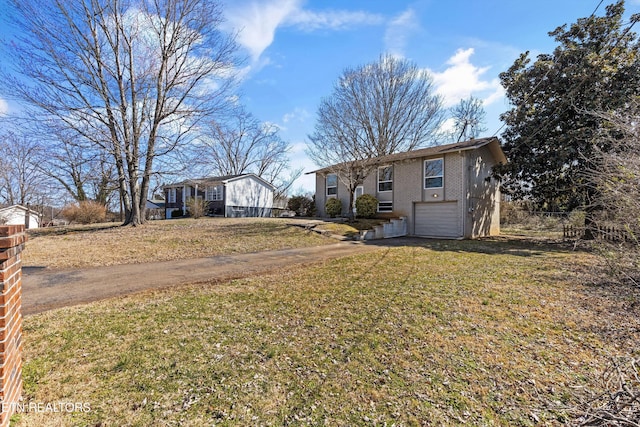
(12, 239)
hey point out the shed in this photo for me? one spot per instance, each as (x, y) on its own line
(19, 215)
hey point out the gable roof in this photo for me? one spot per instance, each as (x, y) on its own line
(264, 181)
(18, 207)
(473, 144)
(155, 204)
(214, 180)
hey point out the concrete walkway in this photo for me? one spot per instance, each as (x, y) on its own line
(44, 289)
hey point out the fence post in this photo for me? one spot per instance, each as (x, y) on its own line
(12, 239)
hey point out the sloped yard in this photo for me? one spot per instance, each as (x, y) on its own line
(111, 244)
(498, 332)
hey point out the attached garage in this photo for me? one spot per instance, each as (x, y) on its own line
(437, 219)
(443, 191)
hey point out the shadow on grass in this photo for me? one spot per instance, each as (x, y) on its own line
(64, 230)
(255, 228)
(499, 245)
(609, 309)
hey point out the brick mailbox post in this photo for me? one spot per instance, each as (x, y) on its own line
(12, 240)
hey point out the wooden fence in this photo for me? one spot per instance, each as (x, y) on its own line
(610, 233)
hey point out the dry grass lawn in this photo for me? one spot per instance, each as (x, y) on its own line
(349, 229)
(111, 244)
(498, 332)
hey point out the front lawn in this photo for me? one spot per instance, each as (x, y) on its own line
(111, 244)
(493, 332)
(349, 229)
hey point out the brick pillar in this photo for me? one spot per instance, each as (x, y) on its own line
(12, 240)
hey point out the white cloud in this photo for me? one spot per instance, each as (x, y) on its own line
(399, 30)
(257, 21)
(447, 126)
(496, 95)
(272, 125)
(462, 79)
(332, 20)
(299, 159)
(298, 115)
(233, 100)
(4, 107)
(299, 148)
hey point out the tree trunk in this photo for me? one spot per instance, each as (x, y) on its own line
(135, 216)
(122, 187)
(589, 223)
(350, 214)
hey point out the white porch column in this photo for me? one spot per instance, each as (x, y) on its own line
(184, 200)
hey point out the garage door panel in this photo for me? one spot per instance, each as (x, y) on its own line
(437, 219)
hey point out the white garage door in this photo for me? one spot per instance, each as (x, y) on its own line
(437, 219)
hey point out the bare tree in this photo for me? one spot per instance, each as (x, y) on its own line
(613, 174)
(376, 109)
(21, 180)
(132, 77)
(79, 167)
(243, 144)
(468, 116)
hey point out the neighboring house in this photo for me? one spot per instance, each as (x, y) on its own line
(230, 196)
(155, 209)
(19, 215)
(445, 191)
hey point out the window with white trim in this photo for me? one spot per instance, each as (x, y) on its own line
(171, 195)
(385, 178)
(332, 184)
(385, 206)
(214, 193)
(434, 173)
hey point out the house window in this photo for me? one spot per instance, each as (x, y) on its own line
(385, 178)
(434, 173)
(171, 195)
(214, 193)
(385, 206)
(332, 184)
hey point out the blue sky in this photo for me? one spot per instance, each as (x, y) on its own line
(296, 49)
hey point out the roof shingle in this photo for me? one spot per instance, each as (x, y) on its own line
(471, 144)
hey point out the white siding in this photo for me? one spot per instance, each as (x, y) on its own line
(16, 216)
(248, 192)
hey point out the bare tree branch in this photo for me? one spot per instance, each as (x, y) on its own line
(612, 173)
(377, 109)
(242, 144)
(135, 78)
(468, 117)
(21, 180)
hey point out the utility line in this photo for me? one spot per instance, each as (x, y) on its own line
(526, 98)
(578, 85)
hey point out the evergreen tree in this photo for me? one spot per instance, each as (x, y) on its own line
(551, 131)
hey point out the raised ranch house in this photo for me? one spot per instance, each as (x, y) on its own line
(19, 215)
(443, 192)
(245, 195)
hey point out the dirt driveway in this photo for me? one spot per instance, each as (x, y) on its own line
(44, 289)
